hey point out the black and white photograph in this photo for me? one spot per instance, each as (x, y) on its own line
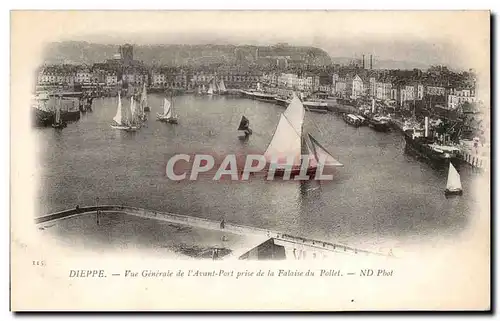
(239, 150)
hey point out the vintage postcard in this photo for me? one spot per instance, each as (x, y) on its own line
(250, 160)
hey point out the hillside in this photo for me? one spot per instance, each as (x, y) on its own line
(73, 52)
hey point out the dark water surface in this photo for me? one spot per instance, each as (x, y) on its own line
(379, 195)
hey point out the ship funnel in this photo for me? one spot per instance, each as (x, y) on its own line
(426, 126)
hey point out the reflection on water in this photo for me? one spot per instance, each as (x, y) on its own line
(380, 192)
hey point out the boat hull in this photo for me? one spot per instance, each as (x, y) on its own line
(319, 111)
(59, 125)
(125, 128)
(379, 126)
(170, 120)
(352, 122)
(422, 150)
(449, 193)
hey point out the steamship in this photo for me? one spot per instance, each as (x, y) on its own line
(436, 152)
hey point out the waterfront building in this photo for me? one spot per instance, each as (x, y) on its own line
(357, 87)
(435, 91)
(383, 90)
(135, 77)
(158, 78)
(288, 80)
(111, 79)
(341, 88)
(373, 87)
(458, 97)
(83, 75)
(419, 91)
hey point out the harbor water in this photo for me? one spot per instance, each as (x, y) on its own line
(380, 198)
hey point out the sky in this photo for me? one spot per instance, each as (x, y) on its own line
(459, 39)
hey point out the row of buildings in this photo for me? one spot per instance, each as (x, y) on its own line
(156, 78)
(347, 86)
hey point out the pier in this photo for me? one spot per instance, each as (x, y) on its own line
(268, 243)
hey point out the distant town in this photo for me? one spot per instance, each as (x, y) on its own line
(280, 70)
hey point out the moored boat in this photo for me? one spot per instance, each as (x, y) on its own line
(314, 105)
(168, 115)
(352, 120)
(121, 121)
(380, 123)
(419, 142)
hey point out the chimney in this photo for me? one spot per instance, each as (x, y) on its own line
(363, 61)
(371, 62)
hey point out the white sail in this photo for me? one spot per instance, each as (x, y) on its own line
(215, 85)
(453, 183)
(167, 108)
(144, 99)
(285, 143)
(210, 89)
(118, 116)
(287, 138)
(258, 87)
(222, 87)
(133, 110)
(294, 113)
(322, 154)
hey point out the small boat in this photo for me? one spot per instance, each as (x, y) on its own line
(211, 89)
(168, 113)
(58, 123)
(222, 87)
(352, 120)
(315, 105)
(380, 123)
(289, 141)
(121, 120)
(244, 126)
(453, 185)
(362, 120)
(144, 99)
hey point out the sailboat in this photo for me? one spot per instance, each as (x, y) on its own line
(222, 87)
(453, 185)
(211, 88)
(244, 126)
(144, 99)
(135, 112)
(121, 120)
(289, 142)
(58, 123)
(168, 113)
